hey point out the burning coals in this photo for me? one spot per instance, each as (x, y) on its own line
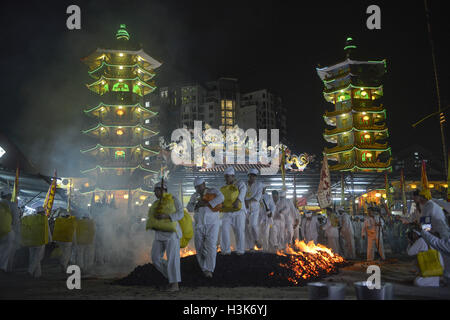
(294, 266)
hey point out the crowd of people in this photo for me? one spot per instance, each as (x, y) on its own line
(258, 220)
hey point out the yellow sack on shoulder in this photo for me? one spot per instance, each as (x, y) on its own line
(85, 230)
(64, 229)
(5, 219)
(230, 193)
(164, 206)
(429, 263)
(186, 228)
(34, 230)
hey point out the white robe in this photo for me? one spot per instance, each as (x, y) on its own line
(169, 242)
(206, 229)
(266, 223)
(347, 235)
(310, 229)
(36, 254)
(254, 194)
(236, 221)
(332, 235)
(438, 221)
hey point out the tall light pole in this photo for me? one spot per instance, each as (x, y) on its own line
(441, 123)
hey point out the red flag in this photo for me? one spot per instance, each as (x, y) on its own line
(50, 197)
(424, 179)
(324, 191)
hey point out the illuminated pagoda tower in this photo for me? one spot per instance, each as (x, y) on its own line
(359, 119)
(123, 161)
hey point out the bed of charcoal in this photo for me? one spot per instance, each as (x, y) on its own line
(258, 269)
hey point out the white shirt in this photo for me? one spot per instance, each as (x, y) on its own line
(254, 191)
(438, 221)
(204, 215)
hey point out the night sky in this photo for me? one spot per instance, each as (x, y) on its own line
(265, 44)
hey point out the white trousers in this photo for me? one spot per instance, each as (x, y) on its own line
(288, 232)
(170, 268)
(35, 258)
(85, 255)
(235, 220)
(349, 245)
(372, 245)
(66, 252)
(205, 239)
(426, 282)
(252, 225)
(296, 233)
(6, 247)
(276, 235)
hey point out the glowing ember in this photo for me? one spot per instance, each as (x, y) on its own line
(186, 252)
(309, 260)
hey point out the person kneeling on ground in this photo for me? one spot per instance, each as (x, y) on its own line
(417, 244)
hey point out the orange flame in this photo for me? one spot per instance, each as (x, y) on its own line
(309, 259)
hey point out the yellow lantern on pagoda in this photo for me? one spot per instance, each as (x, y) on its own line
(125, 196)
(119, 132)
(142, 197)
(119, 113)
(413, 186)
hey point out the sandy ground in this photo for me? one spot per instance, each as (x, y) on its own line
(52, 285)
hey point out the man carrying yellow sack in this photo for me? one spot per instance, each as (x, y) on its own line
(84, 238)
(63, 234)
(205, 203)
(35, 235)
(233, 212)
(9, 230)
(163, 217)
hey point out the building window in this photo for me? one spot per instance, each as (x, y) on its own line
(229, 105)
(147, 104)
(229, 114)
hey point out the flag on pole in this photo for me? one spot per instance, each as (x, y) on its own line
(402, 186)
(15, 192)
(324, 191)
(448, 180)
(388, 194)
(424, 179)
(283, 167)
(50, 197)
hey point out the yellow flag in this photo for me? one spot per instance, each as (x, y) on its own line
(15, 192)
(50, 197)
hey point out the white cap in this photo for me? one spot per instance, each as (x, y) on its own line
(198, 181)
(229, 171)
(253, 171)
(158, 185)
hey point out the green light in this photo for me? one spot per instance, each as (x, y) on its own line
(350, 47)
(122, 33)
(349, 39)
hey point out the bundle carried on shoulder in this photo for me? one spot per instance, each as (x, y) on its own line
(5, 219)
(64, 229)
(211, 196)
(34, 230)
(85, 231)
(230, 193)
(165, 205)
(186, 228)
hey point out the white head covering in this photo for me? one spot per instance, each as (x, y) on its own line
(198, 181)
(229, 171)
(158, 185)
(253, 171)
(282, 193)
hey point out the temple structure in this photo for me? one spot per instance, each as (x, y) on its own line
(358, 120)
(122, 159)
